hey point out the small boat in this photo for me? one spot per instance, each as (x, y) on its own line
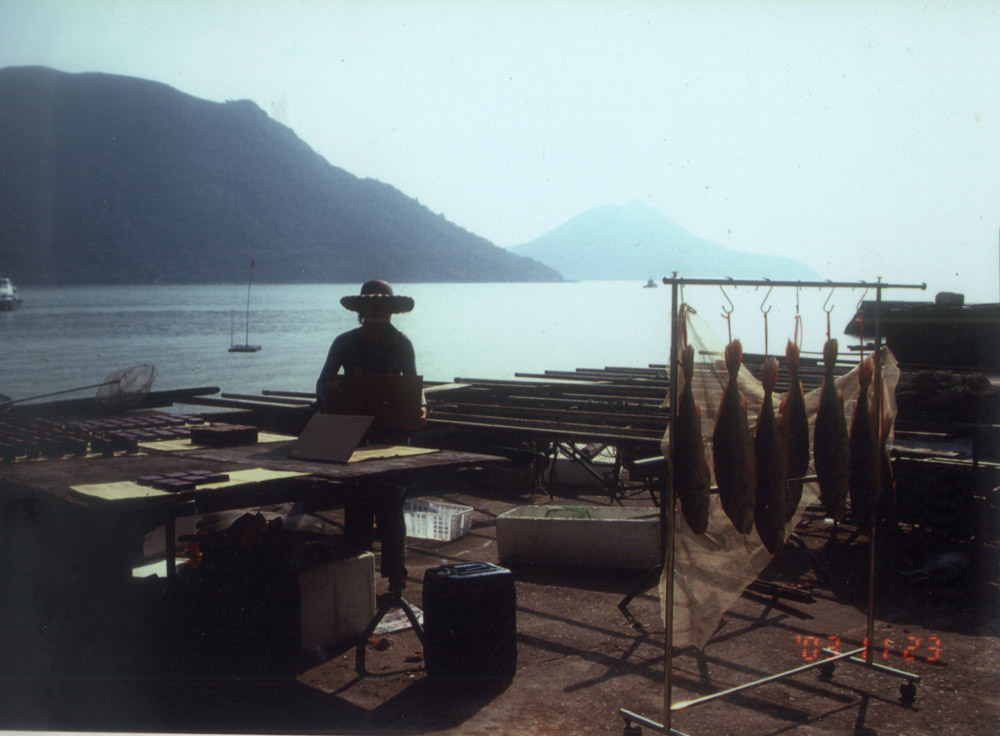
(246, 347)
(650, 284)
(9, 300)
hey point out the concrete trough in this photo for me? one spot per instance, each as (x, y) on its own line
(579, 536)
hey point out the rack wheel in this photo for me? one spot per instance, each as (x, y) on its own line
(826, 672)
(631, 729)
(908, 692)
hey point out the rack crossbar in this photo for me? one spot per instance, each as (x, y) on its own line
(684, 704)
(880, 667)
(681, 281)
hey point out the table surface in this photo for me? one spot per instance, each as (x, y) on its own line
(274, 456)
(54, 478)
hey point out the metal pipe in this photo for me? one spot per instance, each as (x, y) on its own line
(870, 629)
(281, 401)
(289, 394)
(765, 680)
(801, 284)
(667, 520)
(882, 668)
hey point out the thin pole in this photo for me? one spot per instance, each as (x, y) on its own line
(801, 284)
(870, 650)
(249, 281)
(667, 517)
(56, 393)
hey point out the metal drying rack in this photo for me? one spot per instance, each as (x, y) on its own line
(668, 515)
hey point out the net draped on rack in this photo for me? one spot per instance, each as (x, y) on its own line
(711, 570)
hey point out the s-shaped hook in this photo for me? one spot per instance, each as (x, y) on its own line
(727, 312)
(765, 312)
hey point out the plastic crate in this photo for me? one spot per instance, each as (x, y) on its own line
(438, 520)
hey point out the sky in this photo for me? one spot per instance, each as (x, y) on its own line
(862, 138)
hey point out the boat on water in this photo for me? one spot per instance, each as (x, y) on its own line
(649, 284)
(9, 300)
(246, 347)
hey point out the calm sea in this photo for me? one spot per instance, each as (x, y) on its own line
(68, 337)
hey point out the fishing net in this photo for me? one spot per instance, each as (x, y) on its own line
(124, 389)
(711, 570)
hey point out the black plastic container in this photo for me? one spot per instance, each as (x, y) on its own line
(470, 629)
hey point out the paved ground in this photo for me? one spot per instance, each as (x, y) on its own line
(580, 660)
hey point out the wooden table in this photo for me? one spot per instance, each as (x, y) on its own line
(86, 547)
(42, 490)
(350, 481)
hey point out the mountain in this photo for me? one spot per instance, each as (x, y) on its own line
(613, 243)
(110, 179)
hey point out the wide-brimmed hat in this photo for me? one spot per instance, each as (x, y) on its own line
(377, 292)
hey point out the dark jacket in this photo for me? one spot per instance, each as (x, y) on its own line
(391, 354)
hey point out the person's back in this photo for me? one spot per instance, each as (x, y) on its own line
(376, 347)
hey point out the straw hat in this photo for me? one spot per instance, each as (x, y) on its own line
(377, 292)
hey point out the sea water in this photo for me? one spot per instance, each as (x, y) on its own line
(75, 336)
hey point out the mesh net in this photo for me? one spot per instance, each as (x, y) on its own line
(712, 569)
(124, 389)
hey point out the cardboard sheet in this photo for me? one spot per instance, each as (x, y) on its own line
(330, 437)
(182, 443)
(128, 490)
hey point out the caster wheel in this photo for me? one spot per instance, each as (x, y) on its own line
(826, 672)
(908, 693)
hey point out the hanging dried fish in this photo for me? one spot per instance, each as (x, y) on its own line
(831, 451)
(692, 477)
(732, 449)
(772, 467)
(793, 416)
(866, 465)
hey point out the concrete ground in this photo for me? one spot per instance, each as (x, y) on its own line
(580, 659)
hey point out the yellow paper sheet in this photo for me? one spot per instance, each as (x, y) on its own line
(382, 453)
(124, 490)
(183, 443)
(130, 490)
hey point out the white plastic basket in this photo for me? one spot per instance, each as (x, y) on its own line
(438, 520)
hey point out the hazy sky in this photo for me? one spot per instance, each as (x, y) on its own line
(860, 137)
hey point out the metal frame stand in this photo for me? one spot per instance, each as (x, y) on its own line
(668, 515)
(392, 599)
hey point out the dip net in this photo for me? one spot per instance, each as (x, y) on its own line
(711, 570)
(124, 389)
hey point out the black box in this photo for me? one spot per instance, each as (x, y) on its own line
(470, 630)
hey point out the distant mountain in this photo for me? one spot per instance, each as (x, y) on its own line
(636, 242)
(109, 179)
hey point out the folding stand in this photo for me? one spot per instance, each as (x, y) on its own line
(392, 599)
(668, 517)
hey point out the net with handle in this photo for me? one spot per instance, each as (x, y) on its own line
(124, 389)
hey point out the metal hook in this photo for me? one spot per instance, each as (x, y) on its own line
(828, 311)
(765, 313)
(727, 312)
(766, 297)
(732, 307)
(828, 298)
(798, 334)
(858, 307)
